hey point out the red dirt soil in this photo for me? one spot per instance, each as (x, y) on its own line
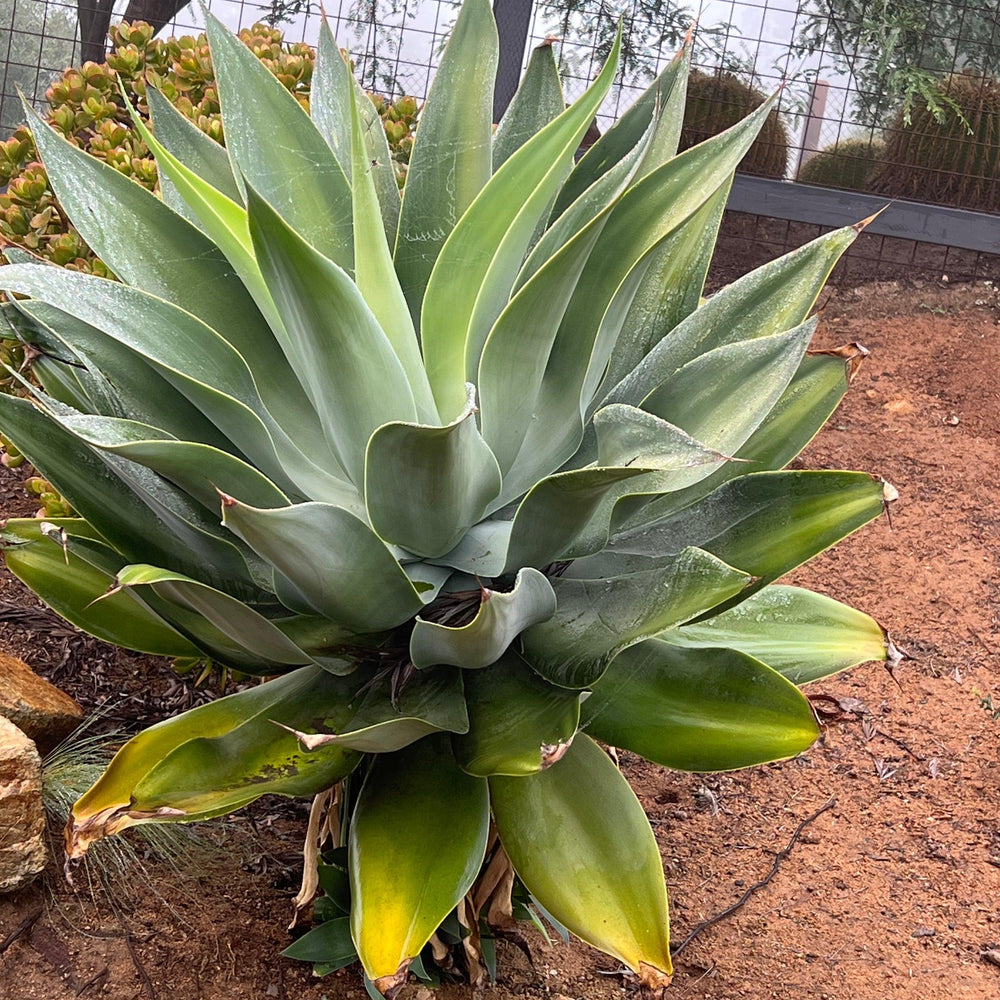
(892, 892)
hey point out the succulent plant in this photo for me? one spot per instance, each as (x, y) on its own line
(474, 476)
(848, 164)
(949, 159)
(716, 102)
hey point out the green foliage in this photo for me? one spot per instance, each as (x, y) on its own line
(718, 101)
(848, 164)
(468, 475)
(898, 50)
(947, 160)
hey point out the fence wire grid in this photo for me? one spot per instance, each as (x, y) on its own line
(894, 97)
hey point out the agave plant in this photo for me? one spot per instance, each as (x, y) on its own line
(496, 484)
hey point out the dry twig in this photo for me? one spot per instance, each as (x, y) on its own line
(778, 858)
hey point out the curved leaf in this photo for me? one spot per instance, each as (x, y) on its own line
(425, 486)
(331, 559)
(580, 842)
(698, 709)
(538, 101)
(251, 631)
(141, 515)
(276, 148)
(769, 300)
(334, 343)
(192, 147)
(500, 620)
(478, 265)
(297, 698)
(70, 585)
(198, 469)
(518, 723)
(374, 273)
(451, 159)
(387, 720)
(766, 523)
(403, 884)
(802, 635)
(597, 618)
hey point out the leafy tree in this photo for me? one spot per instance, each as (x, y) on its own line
(897, 50)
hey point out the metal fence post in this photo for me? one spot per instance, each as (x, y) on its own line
(513, 18)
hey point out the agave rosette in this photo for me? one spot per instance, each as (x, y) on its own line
(494, 480)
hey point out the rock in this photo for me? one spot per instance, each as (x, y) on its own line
(42, 712)
(22, 818)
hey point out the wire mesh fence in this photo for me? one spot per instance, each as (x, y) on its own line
(896, 98)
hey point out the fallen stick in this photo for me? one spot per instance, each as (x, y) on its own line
(778, 858)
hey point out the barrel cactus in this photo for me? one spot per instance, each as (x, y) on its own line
(950, 159)
(848, 164)
(473, 478)
(716, 102)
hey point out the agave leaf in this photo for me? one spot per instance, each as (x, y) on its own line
(212, 775)
(482, 552)
(330, 108)
(330, 98)
(223, 219)
(812, 395)
(328, 944)
(402, 887)
(767, 301)
(299, 697)
(551, 518)
(722, 397)
(698, 709)
(661, 105)
(169, 338)
(478, 265)
(332, 559)
(69, 585)
(259, 638)
(146, 243)
(430, 703)
(344, 360)
(671, 288)
(374, 273)
(802, 635)
(580, 842)
(139, 514)
(645, 215)
(276, 148)
(598, 618)
(500, 619)
(132, 385)
(450, 476)
(517, 349)
(627, 436)
(766, 523)
(451, 159)
(192, 147)
(532, 729)
(538, 101)
(199, 469)
(296, 699)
